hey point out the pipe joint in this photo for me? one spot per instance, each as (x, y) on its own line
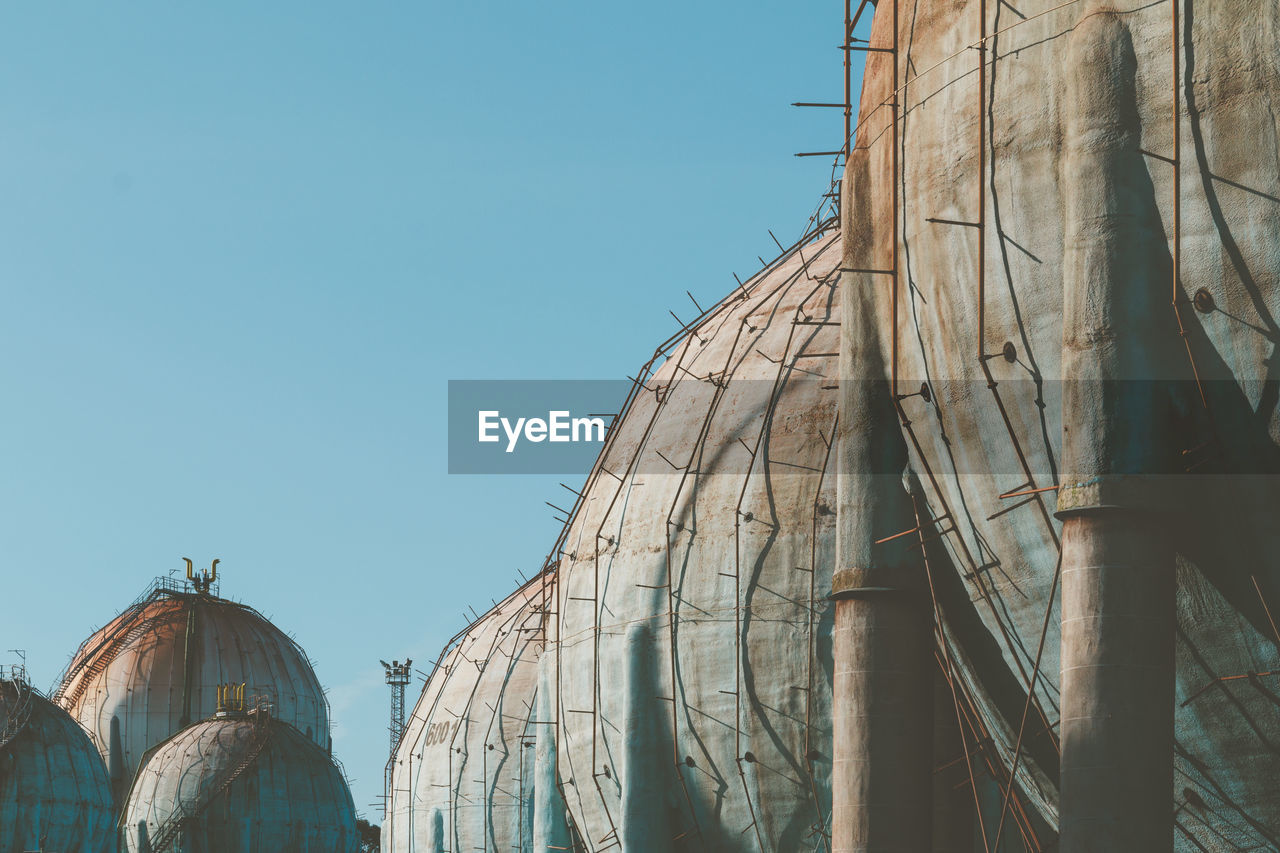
(1147, 493)
(875, 583)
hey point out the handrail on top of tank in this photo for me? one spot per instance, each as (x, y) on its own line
(24, 701)
(159, 586)
(93, 663)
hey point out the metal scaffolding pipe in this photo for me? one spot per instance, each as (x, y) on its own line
(883, 635)
(1118, 579)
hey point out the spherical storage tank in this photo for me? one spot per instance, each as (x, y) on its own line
(716, 473)
(154, 669)
(239, 783)
(691, 644)
(1059, 273)
(475, 768)
(53, 785)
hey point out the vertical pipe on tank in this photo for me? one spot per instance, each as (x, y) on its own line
(644, 780)
(188, 668)
(550, 828)
(1118, 581)
(115, 765)
(883, 634)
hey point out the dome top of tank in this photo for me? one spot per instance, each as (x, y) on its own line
(155, 668)
(239, 782)
(54, 792)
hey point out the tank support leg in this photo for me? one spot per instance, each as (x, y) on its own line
(883, 638)
(1118, 563)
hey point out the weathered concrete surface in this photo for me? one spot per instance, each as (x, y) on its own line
(1120, 358)
(1006, 548)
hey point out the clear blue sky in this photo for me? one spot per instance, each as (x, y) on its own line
(244, 246)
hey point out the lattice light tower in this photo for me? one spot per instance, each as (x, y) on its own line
(398, 676)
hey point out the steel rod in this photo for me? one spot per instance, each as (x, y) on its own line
(848, 77)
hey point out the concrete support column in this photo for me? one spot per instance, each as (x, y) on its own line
(1117, 683)
(1118, 568)
(883, 707)
(883, 636)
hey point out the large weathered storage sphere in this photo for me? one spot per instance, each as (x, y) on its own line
(475, 767)
(691, 645)
(1082, 216)
(1022, 415)
(745, 539)
(242, 783)
(53, 785)
(155, 668)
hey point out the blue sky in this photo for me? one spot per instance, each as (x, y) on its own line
(245, 246)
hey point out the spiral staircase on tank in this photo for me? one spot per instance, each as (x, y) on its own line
(168, 831)
(107, 651)
(18, 709)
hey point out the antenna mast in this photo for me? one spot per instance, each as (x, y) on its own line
(398, 676)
